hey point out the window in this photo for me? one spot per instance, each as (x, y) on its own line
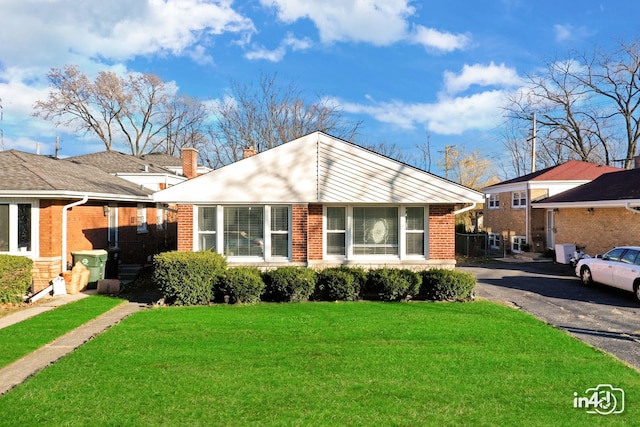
(207, 218)
(518, 243)
(415, 230)
(279, 231)
(629, 257)
(336, 230)
(375, 231)
(244, 231)
(494, 240)
(16, 233)
(494, 201)
(161, 222)
(519, 199)
(141, 224)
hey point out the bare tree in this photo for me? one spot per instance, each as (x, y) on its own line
(138, 111)
(265, 114)
(587, 108)
(469, 169)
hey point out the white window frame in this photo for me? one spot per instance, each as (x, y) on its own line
(13, 229)
(161, 214)
(326, 232)
(141, 218)
(197, 232)
(494, 240)
(402, 233)
(494, 201)
(519, 199)
(266, 253)
(516, 244)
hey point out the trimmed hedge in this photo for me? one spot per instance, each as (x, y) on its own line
(289, 284)
(336, 284)
(187, 278)
(447, 285)
(240, 285)
(15, 278)
(392, 284)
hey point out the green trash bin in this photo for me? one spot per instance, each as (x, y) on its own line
(95, 261)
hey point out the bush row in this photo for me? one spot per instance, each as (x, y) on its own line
(15, 278)
(187, 278)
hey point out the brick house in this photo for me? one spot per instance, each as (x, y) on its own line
(319, 201)
(51, 207)
(508, 216)
(599, 215)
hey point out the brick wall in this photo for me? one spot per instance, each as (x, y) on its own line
(299, 215)
(185, 228)
(505, 218)
(442, 245)
(599, 230)
(314, 234)
(43, 271)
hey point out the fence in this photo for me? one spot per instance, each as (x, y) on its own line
(472, 245)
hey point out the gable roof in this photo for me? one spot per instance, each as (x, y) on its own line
(117, 162)
(573, 170)
(318, 168)
(31, 175)
(613, 189)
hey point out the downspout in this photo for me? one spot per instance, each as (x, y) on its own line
(527, 218)
(64, 228)
(468, 208)
(628, 207)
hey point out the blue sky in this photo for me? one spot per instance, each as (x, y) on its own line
(407, 69)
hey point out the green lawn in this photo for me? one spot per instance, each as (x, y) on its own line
(22, 338)
(317, 364)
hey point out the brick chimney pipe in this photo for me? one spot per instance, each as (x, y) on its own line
(189, 162)
(248, 152)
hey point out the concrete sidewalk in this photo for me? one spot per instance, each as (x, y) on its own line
(19, 371)
(42, 306)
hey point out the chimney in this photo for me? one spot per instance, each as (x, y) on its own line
(189, 162)
(248, 152)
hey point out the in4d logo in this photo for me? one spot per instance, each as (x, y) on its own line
(603, 399)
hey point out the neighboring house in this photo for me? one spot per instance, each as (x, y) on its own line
(51, 207)
(599, 215)
(319, 201)
(508, 216)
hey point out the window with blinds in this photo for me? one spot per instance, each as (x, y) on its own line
(244, 231)
(336, 230)
(207, 219)
(375, 230)
(414, 230)
(279, 231)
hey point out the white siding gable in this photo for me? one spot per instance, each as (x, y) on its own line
(318, 168)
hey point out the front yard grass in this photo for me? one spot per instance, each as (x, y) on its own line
(22, 338)
(324, 364)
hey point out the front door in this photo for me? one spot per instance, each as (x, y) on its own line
(113, 226)
(551, 225)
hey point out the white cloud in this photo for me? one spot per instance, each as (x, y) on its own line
(568, 32)
(379, 22)
(277, 54)
(441, 41)
(57, 32)
(481, 75)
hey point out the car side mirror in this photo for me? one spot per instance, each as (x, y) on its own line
(600, 256)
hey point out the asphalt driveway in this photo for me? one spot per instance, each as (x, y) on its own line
(603, 317)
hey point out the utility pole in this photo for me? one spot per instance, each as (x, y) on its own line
(533, 145)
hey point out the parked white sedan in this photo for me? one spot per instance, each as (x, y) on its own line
(620, 268)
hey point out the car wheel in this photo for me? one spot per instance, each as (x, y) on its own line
(585, 276)
(636, 289)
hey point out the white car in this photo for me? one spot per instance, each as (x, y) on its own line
(620, 268)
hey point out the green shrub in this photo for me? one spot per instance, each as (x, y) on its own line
(289, 284)
(447, 285)
(393, 284)
(337, 284)
(240, 285)
(15, 278)
(187, 278)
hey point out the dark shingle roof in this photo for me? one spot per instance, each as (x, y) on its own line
(33, 173)
(622, 185)
(573, 170)
(116, 162)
